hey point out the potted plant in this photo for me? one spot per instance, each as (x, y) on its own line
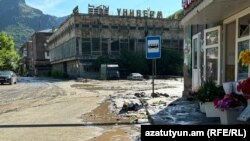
(230, 107)
(244, 87)
(206, 94)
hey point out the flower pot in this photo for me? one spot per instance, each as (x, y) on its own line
(228, 87)
(211, 111)
(245, 114)
(202, 107)
(230, 116)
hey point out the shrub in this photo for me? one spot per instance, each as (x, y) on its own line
(209, 91)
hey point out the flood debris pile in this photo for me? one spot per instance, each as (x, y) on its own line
(136, 105)
(158, 108)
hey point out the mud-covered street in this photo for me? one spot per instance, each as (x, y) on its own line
(47, 109)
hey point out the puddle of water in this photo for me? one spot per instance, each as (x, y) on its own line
(102, 114)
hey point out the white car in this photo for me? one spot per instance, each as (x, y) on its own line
(135, 76)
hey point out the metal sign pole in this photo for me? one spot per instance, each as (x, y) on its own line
(153, 76)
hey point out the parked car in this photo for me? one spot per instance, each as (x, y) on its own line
(135, 76)
(8, 77)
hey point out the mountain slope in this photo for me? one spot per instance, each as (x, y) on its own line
(21, 20)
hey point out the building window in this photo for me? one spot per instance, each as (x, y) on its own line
(95, 26)
(46, 55)
(132, 44)
(96, 46)
(132, 27)
(104, 46)
(141, 28)
(114, 27)
(86, 46)
(105, 26)
(166, 43)
(124, 44)
(175, 44)
(140, 46)
(115, 48)
(85, 26)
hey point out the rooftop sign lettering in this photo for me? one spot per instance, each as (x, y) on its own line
(104, 10)
(139, 13)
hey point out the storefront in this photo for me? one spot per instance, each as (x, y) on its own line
(216, 31)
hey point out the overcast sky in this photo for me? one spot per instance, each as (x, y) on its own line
(64, 7)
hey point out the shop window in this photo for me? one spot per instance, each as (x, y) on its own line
(242, 70)
(212, 37)
(244, 24)
(212, 63)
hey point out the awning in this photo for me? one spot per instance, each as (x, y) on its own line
(213, 11)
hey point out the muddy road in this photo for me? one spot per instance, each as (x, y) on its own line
(51, 110)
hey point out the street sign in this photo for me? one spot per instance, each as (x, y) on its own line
(153, 47)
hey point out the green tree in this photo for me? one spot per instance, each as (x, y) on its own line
(133, 62)
(177, 15)
(9, 57)
(170, 63)
(105, 59)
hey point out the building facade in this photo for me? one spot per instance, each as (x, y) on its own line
(82, 38)
(215, 32)
(35, 58)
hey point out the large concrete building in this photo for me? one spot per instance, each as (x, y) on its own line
(35, 60)
(82, 38)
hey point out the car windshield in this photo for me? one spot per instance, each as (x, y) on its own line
(136, 74)
(5, 72)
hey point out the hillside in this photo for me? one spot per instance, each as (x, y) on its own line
(21, 21)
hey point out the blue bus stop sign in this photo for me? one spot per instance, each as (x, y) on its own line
(153, 47)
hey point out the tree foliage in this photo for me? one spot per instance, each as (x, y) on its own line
(9, 57)
(170, 63)
(104, 59)
(133, 62)
(178, 15)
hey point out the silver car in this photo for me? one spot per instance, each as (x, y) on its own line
(135, 76)
(8, 77)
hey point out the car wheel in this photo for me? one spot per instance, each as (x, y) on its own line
(11, 82)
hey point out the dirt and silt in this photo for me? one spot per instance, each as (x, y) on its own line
(97, 105)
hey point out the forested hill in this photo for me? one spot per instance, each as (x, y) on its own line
(21, 21)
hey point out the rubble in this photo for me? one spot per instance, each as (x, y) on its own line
(158, 108)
